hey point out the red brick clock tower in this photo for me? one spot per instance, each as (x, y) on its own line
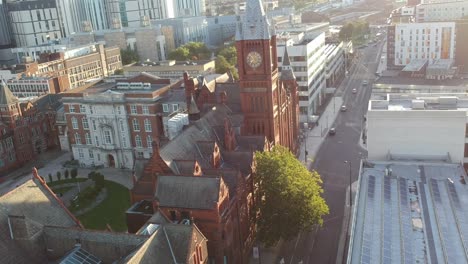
(262, 100)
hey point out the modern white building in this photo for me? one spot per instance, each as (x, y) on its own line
(308, 61)
(431, 41)
(335, 62)
(418, 126)
(34, 23)
(131, 12)
(441, 11)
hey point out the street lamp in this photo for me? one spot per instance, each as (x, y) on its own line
(350, 182)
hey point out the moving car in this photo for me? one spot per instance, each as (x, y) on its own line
(364, 83)
(343, 108)
(354, 90)
(332, 131)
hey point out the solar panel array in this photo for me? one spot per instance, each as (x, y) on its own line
(80, 256)
(405, 216)
(443, 222)
(387, 222)
(368, 222)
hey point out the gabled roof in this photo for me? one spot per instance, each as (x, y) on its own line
(29, 207)
(188, 192)
(170, 243)
(6, 96)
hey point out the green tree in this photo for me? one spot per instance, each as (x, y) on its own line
(74, 173)
(129, 56)
(223, 66)
(230, 54)
(67, 174)
(197, 50)
(119, 72)
(59, 176)
(179, 54)
(288, 196)
(50, 177)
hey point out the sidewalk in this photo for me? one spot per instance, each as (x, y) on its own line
(316, 135)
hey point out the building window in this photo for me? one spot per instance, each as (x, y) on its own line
(145, 110)
(80, 153)
(136, 125)
(175, 107)
(149, 141)
(94, 125)
(21, 138)
(133, 109)
(77, 139)
(82, 109)
(165, 108)
(147, 125)
(107, 137)
(71, 108)
(97, 141)
(124, 141)
(91, 109)
(74, 123)
(118, 110)
(88, 139)
(122, 127)
(99, 157)
(140, 154)
(90, 153)
(138, 141)
(84, 121)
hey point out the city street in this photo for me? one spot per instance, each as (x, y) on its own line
(322, 246)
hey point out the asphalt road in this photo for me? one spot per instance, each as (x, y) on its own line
(322, 246)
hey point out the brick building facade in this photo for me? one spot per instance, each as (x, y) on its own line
(27, 128)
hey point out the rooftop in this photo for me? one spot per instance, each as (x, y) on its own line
(415, 65)
(421, 101)
(411, 212)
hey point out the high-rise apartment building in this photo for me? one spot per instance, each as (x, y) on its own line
(34, 23)
(441, 11)
(430, 41)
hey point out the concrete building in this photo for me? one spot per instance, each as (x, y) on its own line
(431, 41)
(308, 61)
(409, 212)
(153, 43)
(186, 29)
(441, 11)
(335, 63)
(171, 69)
(34, 23)
(428, 126)
(34, 86)
(112, 124)
(221, 29)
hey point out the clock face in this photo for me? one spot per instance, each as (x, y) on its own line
(254, 59)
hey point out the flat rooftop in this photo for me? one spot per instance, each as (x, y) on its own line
(420, 101)
(415, 65)
(124, 87)
(415, 212)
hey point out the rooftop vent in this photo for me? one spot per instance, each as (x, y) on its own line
(417, 104)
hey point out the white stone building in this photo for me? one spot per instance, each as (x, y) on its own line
(418, 126)
(308, 61)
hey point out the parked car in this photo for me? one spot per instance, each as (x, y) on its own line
(343, 108)
(332, 131)
(354, 90)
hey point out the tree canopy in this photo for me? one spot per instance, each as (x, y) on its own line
(190, 51)
(223, 66)
(354, 30)
(129, 56)
(288, 197)
(230, 54)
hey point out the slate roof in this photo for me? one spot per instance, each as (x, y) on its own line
(49, 100)
(183, 167)
(6, 96)
(169, 239)
(229, 176)
(30, 206)
(194, 192)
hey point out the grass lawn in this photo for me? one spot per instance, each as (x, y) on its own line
(111, 211)
(62, 189)
(56, 183)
